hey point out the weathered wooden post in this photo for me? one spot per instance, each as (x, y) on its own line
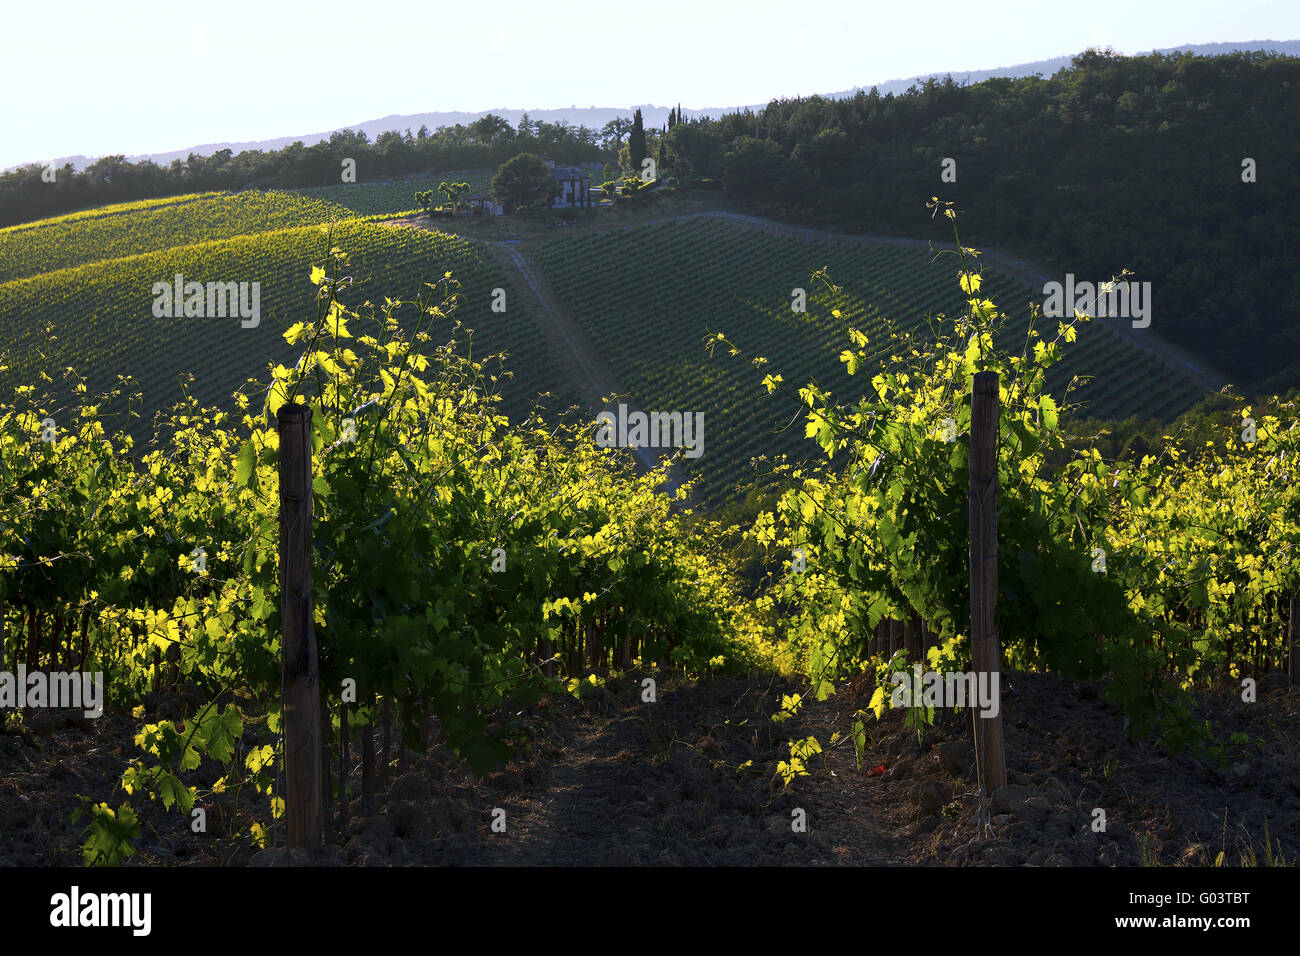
(386, 719)
(345, 764)
(369, 803)
(984, 573)
(302, 734)
(325, 780)
(916, 640)
(1293, 663)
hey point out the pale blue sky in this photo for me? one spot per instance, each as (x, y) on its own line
(151, 76)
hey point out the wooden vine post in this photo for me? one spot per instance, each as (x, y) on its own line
(302, 730)
(1293, 664)
(984, 572)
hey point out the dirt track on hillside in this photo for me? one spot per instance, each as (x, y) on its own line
(570, 347)
(1020, 269)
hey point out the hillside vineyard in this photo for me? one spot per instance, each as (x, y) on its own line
(857, 481)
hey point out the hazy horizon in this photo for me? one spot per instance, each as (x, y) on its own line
(265, 85)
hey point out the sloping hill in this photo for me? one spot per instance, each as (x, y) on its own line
(127, 229)
(640, 299)
(100, 320)
(647, 296)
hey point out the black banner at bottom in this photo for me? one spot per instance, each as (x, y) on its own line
(335, 905)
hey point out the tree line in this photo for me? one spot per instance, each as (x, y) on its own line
(26, 193)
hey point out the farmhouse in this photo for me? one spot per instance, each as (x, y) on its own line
(575, 186)
(485, 205)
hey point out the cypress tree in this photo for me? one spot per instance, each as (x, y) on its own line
(636, 142)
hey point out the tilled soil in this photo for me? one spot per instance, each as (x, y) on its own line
(689, 780)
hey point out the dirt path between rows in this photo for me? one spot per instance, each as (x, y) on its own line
(690, 779)
(569, 345)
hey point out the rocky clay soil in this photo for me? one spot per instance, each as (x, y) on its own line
(689, 780)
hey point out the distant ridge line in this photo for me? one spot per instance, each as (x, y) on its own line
(595, 117)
